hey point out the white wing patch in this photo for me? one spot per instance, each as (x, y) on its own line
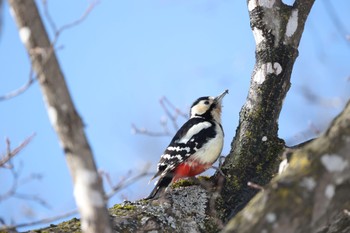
(173, 148)
(193, 131)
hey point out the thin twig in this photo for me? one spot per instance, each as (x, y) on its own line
(144, 131)
(75, 23)
(34, 198)
(41, 221)
(177, 110)
(340, 27)
(168, 108)
(126, 182)
(255, 186)
(20, 90)
(165, 103)
(11, 153)
(46, 53)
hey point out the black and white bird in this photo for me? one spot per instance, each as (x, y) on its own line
(195, 147)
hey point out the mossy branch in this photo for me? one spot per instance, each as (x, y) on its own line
(312, 195)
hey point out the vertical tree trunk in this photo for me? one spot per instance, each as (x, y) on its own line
(88, 191)
(277, 29)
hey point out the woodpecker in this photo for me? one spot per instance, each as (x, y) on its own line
(195, 146)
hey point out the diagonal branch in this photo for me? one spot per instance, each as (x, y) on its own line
(88, 191)
(313, 193)
(57, 33)
(11, 153)
(20, 90)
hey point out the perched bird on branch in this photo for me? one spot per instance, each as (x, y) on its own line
(195, 147)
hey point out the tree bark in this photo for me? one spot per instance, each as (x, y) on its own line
(88, 191)
(312, 195)
(255, 150)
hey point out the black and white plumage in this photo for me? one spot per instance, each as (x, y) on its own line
(195, 146)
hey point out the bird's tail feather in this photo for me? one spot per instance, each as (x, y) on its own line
(161, 185)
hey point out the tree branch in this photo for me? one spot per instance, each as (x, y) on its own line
(20, 90)
(255, 150)
(312, 195)
(11, 153)
(88, 191)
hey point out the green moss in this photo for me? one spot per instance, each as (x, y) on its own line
(211, 226)
(203, 178)
(123, 207)
(259, 168)
(183, 183)
(72, 225)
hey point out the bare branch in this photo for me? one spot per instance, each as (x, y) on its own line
(126, 182)
(145, 131)
(41, 221)
(114, 189)
(340, 27)
(255, 186)
(20, 90)
(171, 112)
(75, 23)
(47, 52)
(11, 153)
(64, 117)
(165, 103)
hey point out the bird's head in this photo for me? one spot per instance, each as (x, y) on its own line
(208, 107)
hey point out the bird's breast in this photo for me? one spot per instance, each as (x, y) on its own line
(211, 150)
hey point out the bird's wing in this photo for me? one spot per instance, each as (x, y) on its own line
(189, 138)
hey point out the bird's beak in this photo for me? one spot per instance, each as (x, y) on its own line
(219, 98)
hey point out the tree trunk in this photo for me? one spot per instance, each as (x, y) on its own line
(255, 150)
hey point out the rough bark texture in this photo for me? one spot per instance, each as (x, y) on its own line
(88, 189)
(256, 146)
(312, 195)
(182, 210)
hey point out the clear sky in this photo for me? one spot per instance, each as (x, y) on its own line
(126, 56)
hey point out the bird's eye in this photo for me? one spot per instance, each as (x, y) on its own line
(206, 102)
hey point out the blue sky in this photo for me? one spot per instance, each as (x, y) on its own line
(126, 56)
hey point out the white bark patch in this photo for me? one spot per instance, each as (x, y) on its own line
(52, 115)
(309, 183)
(277, 68)
(252, 4)
(24, 34)
(258, 35)
(334, 163)
(283, 166)
(86, 197)
(264, 3)
(260, 75)
(270, 217)
(329, 191)
(292, 23)
(265, 69)
(82, 190)
(267, 3)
